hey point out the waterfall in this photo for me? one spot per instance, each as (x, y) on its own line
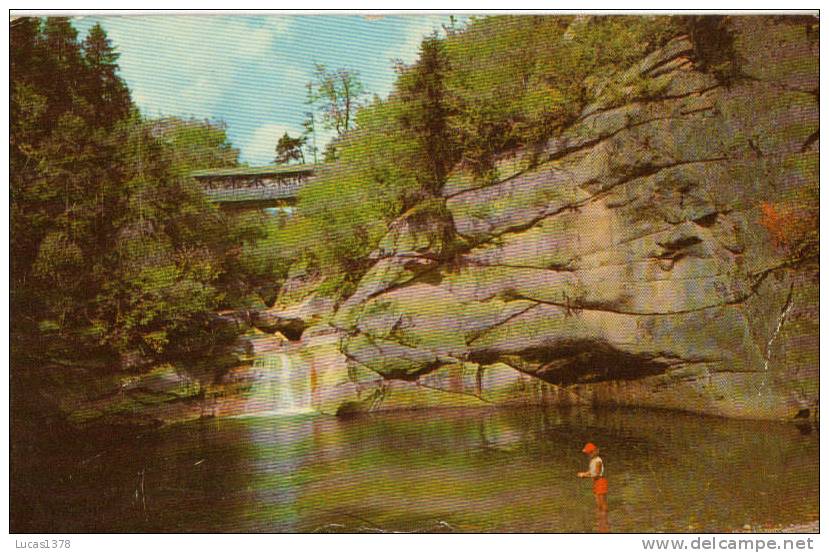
(281, 386)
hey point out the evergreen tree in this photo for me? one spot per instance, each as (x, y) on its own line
(61, 67)
(290, 149)
(426, 109)
(102, 83)
(113, 249)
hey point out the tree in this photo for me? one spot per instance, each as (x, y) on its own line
(61, 67)
(113, 248)
(792, 226)
(102, 84)
(426, 110)
(310, 123)
(338, 93)
(196, 144)
(289, 149)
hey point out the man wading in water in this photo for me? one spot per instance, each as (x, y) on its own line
(596, 472)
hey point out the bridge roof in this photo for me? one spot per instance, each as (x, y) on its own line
(264, 170)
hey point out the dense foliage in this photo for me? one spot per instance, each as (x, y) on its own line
(195, 144)
(113, 248)
(498, 84)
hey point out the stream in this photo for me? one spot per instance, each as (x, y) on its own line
(282, 468)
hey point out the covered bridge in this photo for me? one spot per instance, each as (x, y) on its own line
(254, 187)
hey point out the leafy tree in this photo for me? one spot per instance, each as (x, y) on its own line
(337, 93)
(343, 213)
(196, 144)
(290, 149)
(792, 227)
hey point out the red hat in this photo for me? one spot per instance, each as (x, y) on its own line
(589, 448)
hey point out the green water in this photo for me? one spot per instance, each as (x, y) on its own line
(452, 470)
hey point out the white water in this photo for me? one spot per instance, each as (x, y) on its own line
(280, 387)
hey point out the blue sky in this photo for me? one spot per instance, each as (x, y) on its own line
(251, 71)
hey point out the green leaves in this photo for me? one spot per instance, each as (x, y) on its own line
(195, 144)
(290, 149)
(338, 93)
(111, 243)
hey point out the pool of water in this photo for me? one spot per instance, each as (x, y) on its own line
(452, 470)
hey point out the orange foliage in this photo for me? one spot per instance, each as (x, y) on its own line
(788, 225)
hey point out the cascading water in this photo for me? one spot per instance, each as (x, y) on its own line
(281, 386)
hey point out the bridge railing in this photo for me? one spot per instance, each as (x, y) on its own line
(254, 184)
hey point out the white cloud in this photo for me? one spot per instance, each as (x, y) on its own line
(184, 65)
(259, 148)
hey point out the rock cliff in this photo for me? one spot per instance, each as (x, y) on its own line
(661, 251)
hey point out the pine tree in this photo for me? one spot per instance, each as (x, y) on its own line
(102, 85)
(61, 69)
(290, 149)
(426, 109)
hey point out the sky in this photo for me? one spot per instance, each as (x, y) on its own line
(251, 71)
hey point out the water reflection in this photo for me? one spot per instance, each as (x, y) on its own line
(454, 470)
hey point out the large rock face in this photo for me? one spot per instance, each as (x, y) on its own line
(658, 254)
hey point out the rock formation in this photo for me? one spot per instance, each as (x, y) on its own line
(661, 252)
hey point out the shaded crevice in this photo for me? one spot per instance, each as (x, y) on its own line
(402, 284)
(707, 221)
(558, 268)
(680, 243)
(590, 361)
(409, 376)
(576, 307)
(399, 375)
(291, 328)
(811, 140)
